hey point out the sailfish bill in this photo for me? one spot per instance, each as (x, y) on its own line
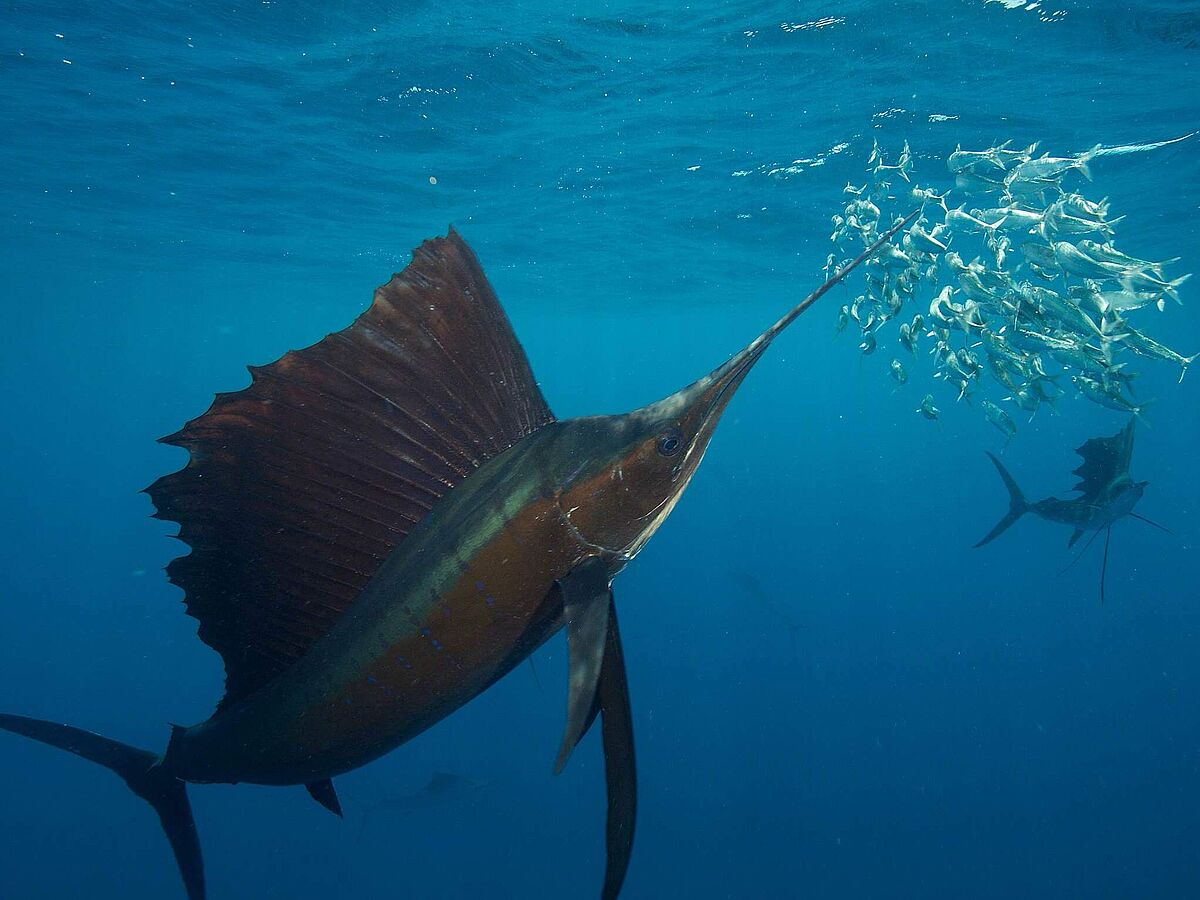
(384, 524)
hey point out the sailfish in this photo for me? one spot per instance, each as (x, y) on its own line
(1105, 493)
(384, 524)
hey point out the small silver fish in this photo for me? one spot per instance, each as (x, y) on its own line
(999, 418)
(974, 183)
(927, 409)
(1073, 261)
(1058, 221)
(1152, 349)
(961, 219)
(1040, 255)
(1110, 254)
(898, 372)
(842, 320)
(1009, 218)
(927, 195)
(1084, 208)
(1098, 392)
(974, 161)
(923, 241)
(1144, 281)
(954, 261)
(1051, 167)
(892, 257)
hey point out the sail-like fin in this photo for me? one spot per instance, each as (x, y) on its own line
(1074, 538)
(1017, 505)
(587, 599)
(1104, 461)
(301, 484)
(620, 769)
(323, 793)
(139, 769)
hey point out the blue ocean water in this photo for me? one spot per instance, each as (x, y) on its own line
(188, 188)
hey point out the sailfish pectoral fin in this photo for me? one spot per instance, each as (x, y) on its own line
(620, 769)
(587, 600)
(599, 687)
(323, 793)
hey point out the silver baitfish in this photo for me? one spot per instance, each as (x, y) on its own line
(927, 409)
(1074, 262)
(1050, 167)
(1107, 253)
(843, 320)
(998, 417)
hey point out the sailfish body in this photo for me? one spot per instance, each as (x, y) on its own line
(384, 524)
(1105, 492)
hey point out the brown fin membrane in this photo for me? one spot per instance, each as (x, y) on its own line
(300, 485)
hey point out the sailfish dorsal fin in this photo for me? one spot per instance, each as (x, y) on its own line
(1105, 460)
(300, 485)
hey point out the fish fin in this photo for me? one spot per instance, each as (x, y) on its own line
(1104, 459)
(323, 793)
(1104, 562)
(1075, 536)
(1142, 518)
(1017, 505)
(587, 600)
(1172, 288)
(1079, 555)
(620, 769)
(599, 686)
(298, 486)
(1084, 159)
(140, 770)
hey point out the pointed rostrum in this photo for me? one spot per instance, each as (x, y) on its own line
(300, 485)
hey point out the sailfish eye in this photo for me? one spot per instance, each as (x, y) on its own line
(670, 443)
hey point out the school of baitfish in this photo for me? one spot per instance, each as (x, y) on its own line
(1042, 306)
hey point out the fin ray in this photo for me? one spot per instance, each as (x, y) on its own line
(334, 453)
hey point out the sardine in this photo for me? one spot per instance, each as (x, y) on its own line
(974, 161)
(1109, 254)
(842, 320)
(1144, 281)
(927, 409)
(999, 418)
(1075, 262)
(1050, 167)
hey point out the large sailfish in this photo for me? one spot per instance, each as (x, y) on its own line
(384, 524)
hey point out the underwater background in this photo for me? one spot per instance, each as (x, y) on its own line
(834, 695)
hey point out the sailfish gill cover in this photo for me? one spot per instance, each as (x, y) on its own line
(834, 696)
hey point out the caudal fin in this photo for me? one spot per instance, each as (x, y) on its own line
(141, 771)
(1017, 505)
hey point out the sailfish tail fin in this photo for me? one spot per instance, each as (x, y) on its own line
(141, 771)
(1017, 504)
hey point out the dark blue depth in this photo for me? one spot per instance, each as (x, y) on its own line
(834, 695)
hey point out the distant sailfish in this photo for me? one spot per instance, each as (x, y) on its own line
(384, 524)
(1106, 493)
